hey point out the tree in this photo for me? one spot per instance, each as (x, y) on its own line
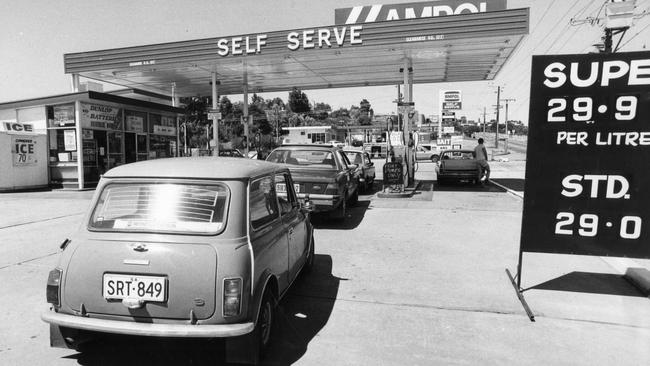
(298, 101)
(225, 107)
(365, 113)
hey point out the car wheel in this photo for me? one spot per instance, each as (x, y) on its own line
(435, 158)
(340, 212)
(265, 322)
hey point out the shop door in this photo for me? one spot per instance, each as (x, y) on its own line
(142, 146)
(130, 148)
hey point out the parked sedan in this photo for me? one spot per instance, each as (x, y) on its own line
(458, 165)
(323, 173)
(366, 167)
(182, 247)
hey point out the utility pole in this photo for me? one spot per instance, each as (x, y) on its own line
(507, 100)
(484, 120)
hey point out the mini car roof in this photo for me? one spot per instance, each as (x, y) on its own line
(324, 146)
(206, 167)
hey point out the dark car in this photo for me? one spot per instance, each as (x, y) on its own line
(458, 165)
(366, 167)
(323, 173)
(232, 153)
(182, 248)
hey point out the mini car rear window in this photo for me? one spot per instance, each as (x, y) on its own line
(161, 207)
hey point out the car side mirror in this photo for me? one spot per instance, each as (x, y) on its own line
(371, 164)
(307, 205)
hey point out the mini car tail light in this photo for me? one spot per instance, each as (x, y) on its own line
(332, 188)
(232, 289)
(53, 285)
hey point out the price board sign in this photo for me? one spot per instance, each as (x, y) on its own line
(393, 173)
(588, 150)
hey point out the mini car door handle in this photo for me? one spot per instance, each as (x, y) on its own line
(140, 247)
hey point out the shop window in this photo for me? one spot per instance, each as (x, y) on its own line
(8, 115)
(318, 137)
(63, 145)
(162, 146)
(135, 121)
(60, 115)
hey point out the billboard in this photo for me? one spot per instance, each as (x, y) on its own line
(588, 149)
(423, 9)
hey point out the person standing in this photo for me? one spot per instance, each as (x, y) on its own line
(481, 156)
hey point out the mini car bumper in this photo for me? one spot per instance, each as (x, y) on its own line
(322, 202)
(147, 329)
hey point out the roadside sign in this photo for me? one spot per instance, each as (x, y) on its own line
(214, 116)
(452, 105)
(393, 173)
(588, 149)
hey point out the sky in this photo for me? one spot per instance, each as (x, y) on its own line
(37, 33)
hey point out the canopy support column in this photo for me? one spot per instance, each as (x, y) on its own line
(245, 116)
(215, 106)
(75, 83)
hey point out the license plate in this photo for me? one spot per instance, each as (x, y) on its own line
(145, 288)
(282, 188)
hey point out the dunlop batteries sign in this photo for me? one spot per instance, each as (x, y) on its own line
(587, 174)
(425, 9)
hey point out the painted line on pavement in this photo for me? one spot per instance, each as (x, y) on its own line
(37, 221)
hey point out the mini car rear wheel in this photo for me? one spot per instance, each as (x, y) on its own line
(265, 322)
(354, 199)
(435, 158)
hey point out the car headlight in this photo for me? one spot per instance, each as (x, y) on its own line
(53, 287)
(232, 289)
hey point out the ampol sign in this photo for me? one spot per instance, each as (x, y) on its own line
(426, 9)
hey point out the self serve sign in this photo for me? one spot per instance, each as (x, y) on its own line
(24, 151)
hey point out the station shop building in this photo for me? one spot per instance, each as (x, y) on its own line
(70, 140)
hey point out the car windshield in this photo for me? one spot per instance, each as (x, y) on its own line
(161, 207)
(355, 157)
(303, 157)
(457, 155)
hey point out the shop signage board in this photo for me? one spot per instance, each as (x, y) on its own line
(164, 130)
(70, 140)
(422, 9)
(100, 116)
(23, 150)
(588, 150)
(15, 127)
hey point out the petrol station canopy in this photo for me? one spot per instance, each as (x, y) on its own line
(464, 47)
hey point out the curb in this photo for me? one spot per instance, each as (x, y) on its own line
(520, 195)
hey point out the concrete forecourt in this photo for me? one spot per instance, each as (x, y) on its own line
(415, 281)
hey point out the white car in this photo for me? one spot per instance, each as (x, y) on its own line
(336, 143)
